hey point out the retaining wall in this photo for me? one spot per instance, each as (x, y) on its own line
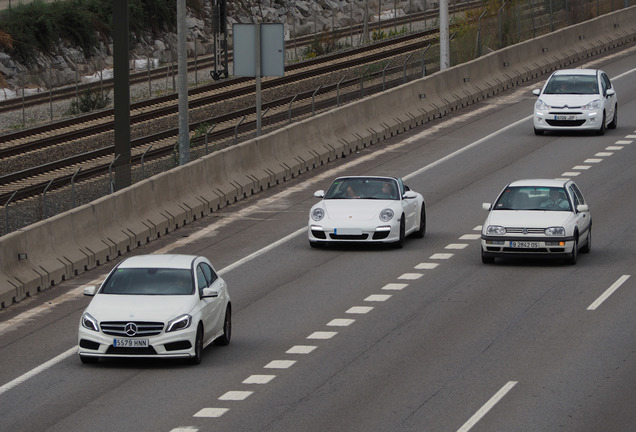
(46, 253)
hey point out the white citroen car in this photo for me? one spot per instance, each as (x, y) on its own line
(576, 99)
(166, 306)
(533, 218)
(366, 210)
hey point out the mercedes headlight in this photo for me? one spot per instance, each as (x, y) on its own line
(88, 322)
(179, 323)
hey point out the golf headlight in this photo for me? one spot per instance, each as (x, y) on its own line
(555, 231)
(317, 214)
(179, 323)
(495, 230)
(386, 215)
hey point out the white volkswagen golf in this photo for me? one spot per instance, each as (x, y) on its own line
(576, 99)
(168, 306)
(538, 217)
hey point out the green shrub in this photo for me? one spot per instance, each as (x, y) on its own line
(89, 101)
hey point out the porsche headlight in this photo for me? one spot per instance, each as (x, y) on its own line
(541, 106)
(595, 104)
(179, 323)
(386, 215)
(88, 322)
(317, 214)
(555, 231)
(495, 230)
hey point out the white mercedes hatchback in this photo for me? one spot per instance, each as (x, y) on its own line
(576, 99)
(537, 218)
(165, 306)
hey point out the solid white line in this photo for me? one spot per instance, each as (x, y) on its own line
(487, 407)
(621, 280)
(8, 386)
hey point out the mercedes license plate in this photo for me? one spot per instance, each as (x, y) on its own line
(130, 343)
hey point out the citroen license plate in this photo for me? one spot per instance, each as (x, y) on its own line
(565, 117)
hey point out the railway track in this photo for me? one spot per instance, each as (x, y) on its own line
(306, 88)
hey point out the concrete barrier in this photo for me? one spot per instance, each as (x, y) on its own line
(48, 252)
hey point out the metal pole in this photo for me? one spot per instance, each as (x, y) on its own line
(258, 79)
(444, 42)
(313, 96)
(143, 174)
(6, 213)
(290, 107)
(44, 211)
(73, 186)
(184, 130)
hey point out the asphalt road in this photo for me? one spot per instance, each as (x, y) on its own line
(425, 338)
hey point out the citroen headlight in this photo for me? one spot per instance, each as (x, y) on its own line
(541, 106)
(179, 323)
(88, 322)
(594, 105)
(495, 230)
(555, 231)
(317, 214)
(386, 215)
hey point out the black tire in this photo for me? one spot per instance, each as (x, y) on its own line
(88, 360)
(614, 122)
(198, 347)
(571, 260)
(486, 259)
(400, 243)
(422, 230)
(588, 243)
(225, 338)
(601, 131)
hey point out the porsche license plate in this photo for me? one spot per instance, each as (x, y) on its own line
(524, 245)
(130, 343)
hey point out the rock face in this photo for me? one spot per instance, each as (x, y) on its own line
(299, 17)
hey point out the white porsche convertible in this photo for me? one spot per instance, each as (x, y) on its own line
(366, 209)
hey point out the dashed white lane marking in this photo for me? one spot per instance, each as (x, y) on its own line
(593, 160)
(279, 364)
(322, 335)
(399, 286)
(340, 322)
(258, 379)
(410, 276)
(621, 280)
(426, 266)
(206, 412)
(570, 174)
(581, 167)
(185, 429)
(623, 142)
(487, 407)
(603, 154)
(236, 395)
(301, 349)
(377, 298)
(614, 148)
(470, 236)
(359, 310)
(442, 256)
(456, 246)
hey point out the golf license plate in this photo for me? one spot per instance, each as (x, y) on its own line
(524, 245)
(130, 343)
